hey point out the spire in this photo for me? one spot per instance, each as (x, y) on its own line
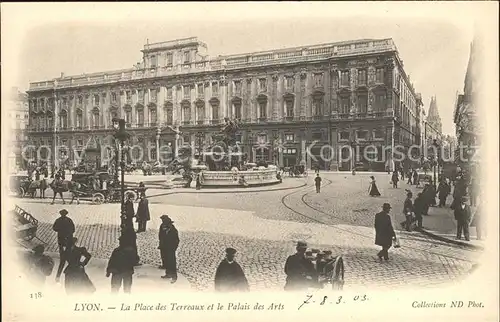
(433, 117)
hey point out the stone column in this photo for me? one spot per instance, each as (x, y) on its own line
(160, 115)
(158, 132)
(106, 110)
(86, 115)
(253, 103)
(278, 97)
(352, 80)
(224, 97)
(206, 95)
(302, 86)
(72, 112)
(334, 81)
(135, 99)
(246, 109)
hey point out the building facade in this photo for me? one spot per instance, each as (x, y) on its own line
(467, 127)
(345, 95)
(18, 115)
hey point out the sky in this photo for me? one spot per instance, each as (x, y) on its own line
(434, 47)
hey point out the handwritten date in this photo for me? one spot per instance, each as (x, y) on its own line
(330, 300)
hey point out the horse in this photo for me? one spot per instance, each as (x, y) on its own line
(59, 187)
(37, 185)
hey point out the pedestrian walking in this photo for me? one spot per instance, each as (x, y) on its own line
(395, 179)
(409, 175)
(40, 265)
(142, 216)
(372, 189)
(76, 279)
(463, 216)
(478, 222)
(408, 211)
(198, 181)
(418, 209)
(444, 190)
(317, 182)
(459, 191)
(300, 272)
(229, 276)
(65, 228)
(169, 241)
(128, 217)
(384, 232)
(402, 172)
(415, 178)
(121, 266)
(129, 238)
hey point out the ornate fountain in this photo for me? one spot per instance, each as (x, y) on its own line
(222, 164)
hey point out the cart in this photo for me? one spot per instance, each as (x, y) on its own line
(25, 225)
(19, 184)
(333, 273)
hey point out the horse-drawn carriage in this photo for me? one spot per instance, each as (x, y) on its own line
(19, 184)
(25, 225)
(100, 187)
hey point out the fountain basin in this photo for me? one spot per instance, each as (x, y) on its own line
(229, 178)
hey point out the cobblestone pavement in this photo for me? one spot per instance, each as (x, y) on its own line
(264, 231)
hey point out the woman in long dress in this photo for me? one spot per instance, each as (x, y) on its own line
(373, 190)
(76, 279)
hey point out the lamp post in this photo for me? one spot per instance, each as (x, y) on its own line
(436, 160)
(121, 135)
(200, 136)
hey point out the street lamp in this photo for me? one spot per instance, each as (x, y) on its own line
(436, 159)
(121, 135)
(200, 136)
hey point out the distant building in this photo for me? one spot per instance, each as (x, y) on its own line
(17, 109)
(345, 94)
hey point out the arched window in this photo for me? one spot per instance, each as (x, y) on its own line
(289, 100)
(50, 121)
(79, 119)
(95, 118)
(63, 119)
(200, 111)
(140, 115)
(169, 113)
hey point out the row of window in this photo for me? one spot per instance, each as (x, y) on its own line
(169, 59)
(361, 135)
(362, 79)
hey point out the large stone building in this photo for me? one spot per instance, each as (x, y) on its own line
(17, 109)
(353, 93)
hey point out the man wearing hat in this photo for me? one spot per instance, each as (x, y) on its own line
(384, 232)
(229, 276)
(408, 211)
(168, 242)
(128, 218)
(121, 266)
(462, 216)
(65, 229)
(299, 270)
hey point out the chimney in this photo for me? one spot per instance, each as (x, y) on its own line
(62, 75)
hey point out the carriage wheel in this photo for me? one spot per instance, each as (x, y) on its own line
(20, 192)
(98, 198)
(130, 193)
(337, 278)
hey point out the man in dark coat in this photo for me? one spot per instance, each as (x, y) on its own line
(121, 266)
(443, 192)
(142, 214)
(463, 217)
(65, 228)
(129, 238)
(169, 241)
(395, 179)
(384, 232)
(418, 209)
(300, 272)
(317, 182)
(408, 211)
(128, 218)
(459, 191)
(229, 276)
